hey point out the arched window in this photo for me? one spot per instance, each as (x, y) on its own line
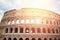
(50, 38)
(32, 21)
(33, 39)
(33, 30)
(9, 23)
(45, 38)
(55, 39)
(27, 39)
(9, 39)
(47, 22)
(57, 23)
(15, 39)
(39, 38)
(22, 21)
(4, 39)
(21, 39)
(53, 30)
(50, 22)
(17, 22)
(27, 30)
(21, 30)
(54, 22)
(12, 22)
(38, 30)
(16, 30)
(58, 38)
(11, 30)
(48, 30)
(6, 31)
(56, 30)
(44, 30)
(27, 21)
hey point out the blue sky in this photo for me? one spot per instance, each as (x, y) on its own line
(5, 5)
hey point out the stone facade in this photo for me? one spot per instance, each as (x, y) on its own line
(30, 24)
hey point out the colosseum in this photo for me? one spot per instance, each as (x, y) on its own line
(30, 24)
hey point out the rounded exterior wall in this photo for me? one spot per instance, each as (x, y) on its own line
(30, 24)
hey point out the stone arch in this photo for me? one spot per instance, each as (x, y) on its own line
(33, 39)
(21, 30)
(27, 39)
(54, 22)
(55, 38)
(27, 30)
(39, 39)
(56, 30)
(12, 22)
(11, 30)
(17, 21)
(45, 38)
(50, 38)
(38, 30)
(53, 31)
(16, 30)
(47, 22)
(9, 38)
(4, 39)
(21, 39)
(44, 30)
(33, 30)
(50, 22)
(49, 30)
(6, 30)
(14, 38)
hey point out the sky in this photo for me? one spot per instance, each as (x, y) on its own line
(5, 5)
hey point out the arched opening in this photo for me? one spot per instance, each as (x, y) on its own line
(21, 39)
(50, 22)
(39, 38)
(16, 30)
(56, 30)
(9, 39)
(50, 38)
(27, 21)
(45, 38)
(6, 31)
(17, 22)
(15, 39)
(33, 30)
(48, 30)
(21, 30)
(9, 22)
(4, 39)
(44, 30)
(53, 30)
(27, 39)
(58, 38)
(13, 22)
(47, 22)
(27, 30)
(54, 22)
(38, 30)
(33, 39)
(55, 39)
(11, 30)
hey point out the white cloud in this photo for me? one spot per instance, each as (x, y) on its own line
(1, 14)
(58, 2)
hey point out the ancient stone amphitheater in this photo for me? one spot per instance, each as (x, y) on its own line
(30, 24)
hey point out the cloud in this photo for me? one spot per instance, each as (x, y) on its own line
(1, 14)
(58, 2)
